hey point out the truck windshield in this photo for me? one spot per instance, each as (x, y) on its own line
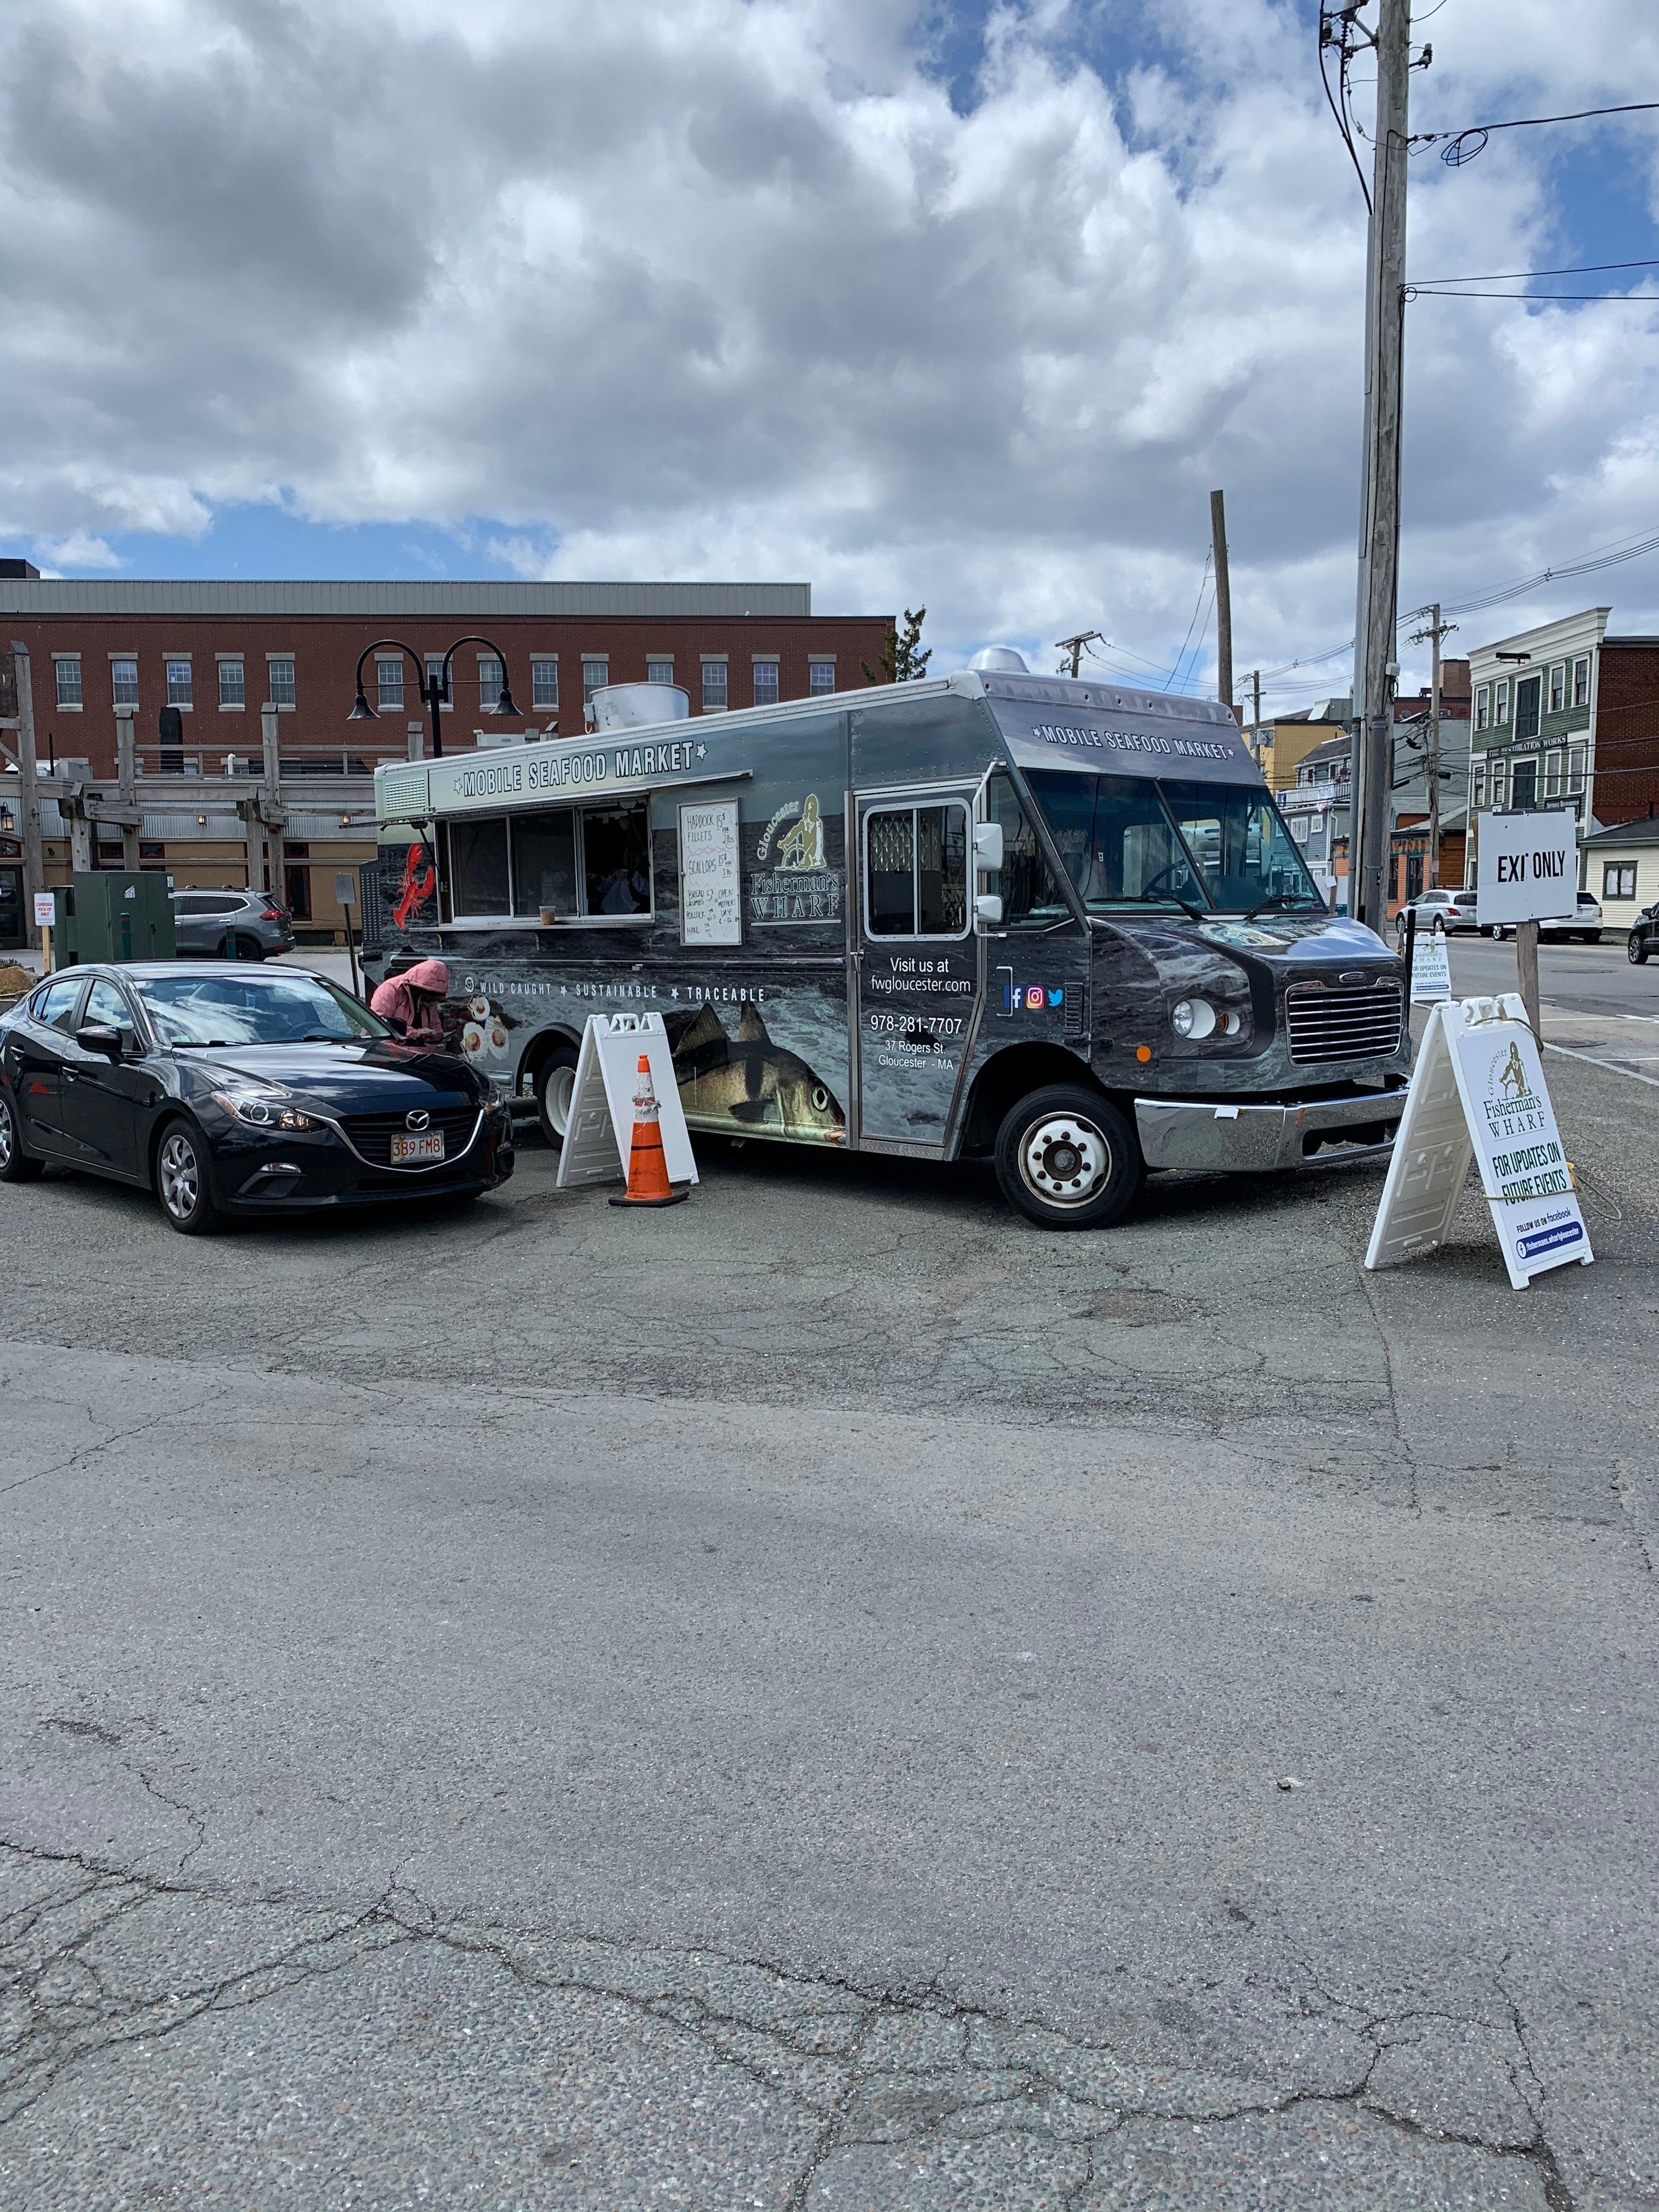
(1128, 841)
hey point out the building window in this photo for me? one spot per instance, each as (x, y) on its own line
(179, 689)
(714, 687)
(766, 683)
(389, 685)
(67, 668)
(435, 676)
(1576, 769)
(1299, 828)
(232, 691)
(1552, 766)
(1483, 707)
(595, 674)
(1557, 687)
(820, 675)
(1619, 879)
(1523, 783)
(1529, 696)
(1503, 715)
(279, 676)
(1480, 787)
(660, 668)
(489, 682)
(1500, 782)
(123, 682)
(544, 684)
(1581, 681)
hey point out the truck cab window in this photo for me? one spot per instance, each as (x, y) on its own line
(1031, 898)
(915, 870)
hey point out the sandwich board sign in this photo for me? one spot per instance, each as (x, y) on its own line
(599, 1133)
(1478, 1092)
(1430, 970)
(1528, 868)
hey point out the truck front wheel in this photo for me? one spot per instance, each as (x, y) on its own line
(1067, 1159)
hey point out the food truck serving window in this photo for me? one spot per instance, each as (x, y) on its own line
(566, 861)
(915, 870)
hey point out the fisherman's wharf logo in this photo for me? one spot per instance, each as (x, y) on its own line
(1531, 1163)
(800, 849)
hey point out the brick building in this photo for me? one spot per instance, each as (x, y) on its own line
(219, 651)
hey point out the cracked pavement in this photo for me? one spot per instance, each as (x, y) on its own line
(831, 1698)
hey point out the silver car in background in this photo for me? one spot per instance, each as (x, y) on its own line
(231, 924)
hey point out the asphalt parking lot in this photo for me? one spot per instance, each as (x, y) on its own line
(829, 1697)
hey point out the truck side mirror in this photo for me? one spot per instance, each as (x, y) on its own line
(987, 910)
(988, 848)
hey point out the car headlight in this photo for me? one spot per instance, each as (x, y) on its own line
(1192, 1017)
(264, 1109)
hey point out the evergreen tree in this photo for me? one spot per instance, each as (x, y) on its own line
(901, 661)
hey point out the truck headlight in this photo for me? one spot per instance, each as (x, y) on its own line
(1192, 1017)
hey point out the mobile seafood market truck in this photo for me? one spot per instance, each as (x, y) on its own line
(1055, 922)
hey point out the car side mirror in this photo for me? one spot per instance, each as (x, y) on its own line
(100, 1036)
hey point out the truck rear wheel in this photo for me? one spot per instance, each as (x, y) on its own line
(1067, 1159)
(555, 1086)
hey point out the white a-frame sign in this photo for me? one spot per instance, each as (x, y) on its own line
(600, 1128)
(1478, 1092)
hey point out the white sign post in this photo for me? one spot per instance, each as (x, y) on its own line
(1529, 868)
(599, 1133)
(1478, 1092)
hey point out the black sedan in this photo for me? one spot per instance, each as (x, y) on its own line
(1643, 943)
(232, 1090)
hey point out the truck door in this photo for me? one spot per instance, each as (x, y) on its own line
(919, 966)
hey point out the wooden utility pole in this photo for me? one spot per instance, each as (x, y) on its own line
(1074, 646)
(1526, 969)
(1376, 664)
(1223, 603)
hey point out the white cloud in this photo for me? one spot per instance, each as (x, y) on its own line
(730, 288)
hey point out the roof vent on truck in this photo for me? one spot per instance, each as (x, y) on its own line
(633, 706)
(1003, 658)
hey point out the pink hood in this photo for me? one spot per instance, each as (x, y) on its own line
(395, 1000)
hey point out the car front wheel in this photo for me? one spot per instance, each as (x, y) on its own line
(15, 1164)
(1067, 1159)
(1636, 950)
(181, 1181)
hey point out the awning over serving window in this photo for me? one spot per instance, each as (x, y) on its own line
(1100, 729)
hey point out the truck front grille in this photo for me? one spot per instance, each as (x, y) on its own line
(1337, 1021)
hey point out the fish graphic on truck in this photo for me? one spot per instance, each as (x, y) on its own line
(749, 1081)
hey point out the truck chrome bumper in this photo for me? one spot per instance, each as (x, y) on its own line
(1222, 1138)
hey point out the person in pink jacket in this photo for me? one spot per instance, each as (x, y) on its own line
(410, 1002)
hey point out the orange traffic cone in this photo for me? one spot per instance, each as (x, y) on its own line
(648, 1170)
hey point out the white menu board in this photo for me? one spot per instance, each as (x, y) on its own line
(711, 874)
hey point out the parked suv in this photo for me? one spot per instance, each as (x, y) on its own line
(1643, 940)
(239, 925)
(1452, 910)
(1585, 922)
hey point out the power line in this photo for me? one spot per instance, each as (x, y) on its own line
(1458, 151)
(1513, 276)
(1203, 581)
(1530, 299)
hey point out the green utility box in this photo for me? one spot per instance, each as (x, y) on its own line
(104, 916)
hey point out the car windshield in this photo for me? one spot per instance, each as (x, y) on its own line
(1129, 842)
(245, 1007)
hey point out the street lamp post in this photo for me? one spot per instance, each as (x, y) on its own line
(433, 688)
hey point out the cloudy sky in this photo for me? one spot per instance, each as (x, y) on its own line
(968, 305)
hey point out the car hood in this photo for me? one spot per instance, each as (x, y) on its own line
(377, 1075)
